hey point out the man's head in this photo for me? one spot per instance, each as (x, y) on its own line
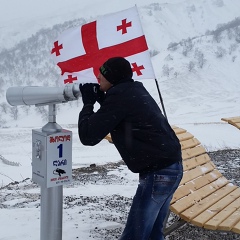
(115, 69)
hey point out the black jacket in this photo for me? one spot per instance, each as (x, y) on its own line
(138, 129)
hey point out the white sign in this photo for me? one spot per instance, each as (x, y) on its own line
(59, 158)
(52, 158)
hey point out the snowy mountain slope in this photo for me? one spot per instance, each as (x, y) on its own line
(205, 80)
(177, 18)
(19, 20)
(193, 77)
(173, 22)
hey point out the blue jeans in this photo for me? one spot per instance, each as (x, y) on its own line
(151, 203)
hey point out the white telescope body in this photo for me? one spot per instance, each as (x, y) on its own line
(37, 95)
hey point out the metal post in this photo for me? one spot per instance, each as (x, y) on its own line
(51, 213)
(161, 100)
(51, 198)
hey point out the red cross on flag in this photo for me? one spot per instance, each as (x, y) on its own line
(80, 51)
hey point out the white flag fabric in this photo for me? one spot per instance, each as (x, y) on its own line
(81, 51)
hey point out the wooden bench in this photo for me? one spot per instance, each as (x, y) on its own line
(235, 121)
(204, 198)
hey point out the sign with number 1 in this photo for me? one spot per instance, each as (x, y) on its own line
(59, 155)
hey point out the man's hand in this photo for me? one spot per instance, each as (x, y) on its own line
(89, 93)
(100, 95)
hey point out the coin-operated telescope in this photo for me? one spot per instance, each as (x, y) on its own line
(51, 152)
(37, 95)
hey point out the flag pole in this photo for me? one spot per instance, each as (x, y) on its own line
(161, 100)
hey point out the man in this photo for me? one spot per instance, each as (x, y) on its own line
(144, 139)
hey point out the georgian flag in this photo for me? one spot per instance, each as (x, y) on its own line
(80, 51)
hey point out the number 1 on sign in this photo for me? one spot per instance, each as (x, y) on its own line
(60, 150)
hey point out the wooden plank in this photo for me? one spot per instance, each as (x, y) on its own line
(236, 120)
(231, 221)
(184, 136)
(236, 125)
(208, 209)
(193, 152)
(216, 220)
(194, 185)
(236, 228)
(190, 200)
(178, 130)
(195, 161)
(190, 143)
(205, 180)
(196, 172)
(108, 137)
(202, 205)
(233, 119)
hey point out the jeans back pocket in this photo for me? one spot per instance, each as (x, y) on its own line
(163, 187)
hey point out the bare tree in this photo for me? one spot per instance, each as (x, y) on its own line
(220, 52)
(14, 112)
(199, 56)
(187, 46)
(166, 70)
(191, 66)
(43, 112)
(4, 107)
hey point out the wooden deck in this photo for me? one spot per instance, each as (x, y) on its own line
(204, 197)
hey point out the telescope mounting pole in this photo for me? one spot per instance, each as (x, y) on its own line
(51, 198)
